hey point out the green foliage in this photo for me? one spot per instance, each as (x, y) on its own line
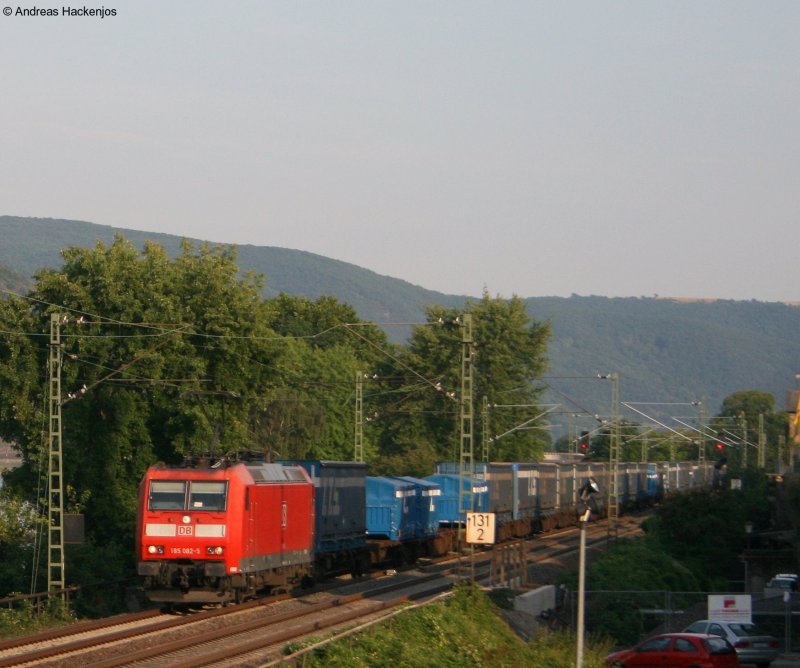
(620, 580)
(25, 619)
(21, 364)
(704, 531)
(179, 353)
(740, 418)
(466, 630)
(785, 506)
(664, 349)
(171, 357)
(415, 459)
(19, 523)
(557, 650)
(420, 413)
(30, 244)
(737, 425)
(669, 350)
(692, 545)
(104, 571)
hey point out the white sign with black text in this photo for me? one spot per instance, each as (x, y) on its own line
(480, 528)
(730, 608)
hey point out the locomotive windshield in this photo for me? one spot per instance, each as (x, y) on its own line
(167, 495)
(206, 495)
(171, 495)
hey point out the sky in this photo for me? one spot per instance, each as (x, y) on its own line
(613, 148)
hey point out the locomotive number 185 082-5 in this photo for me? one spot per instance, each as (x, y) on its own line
(184, 550)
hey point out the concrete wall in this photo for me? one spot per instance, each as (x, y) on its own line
(536, 601)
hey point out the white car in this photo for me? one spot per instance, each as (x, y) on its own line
(751, 645)
(780, 584)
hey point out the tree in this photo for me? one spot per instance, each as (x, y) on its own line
(743, 411)
(683, 525)
(18, 527)
(632, 576)
(600, 444)
(169, 357)
(21, 374)
(167, 353)
(325, 323)
(310, 413)
(421, 407)
(163, 354)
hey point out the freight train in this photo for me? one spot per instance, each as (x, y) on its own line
(218, 530)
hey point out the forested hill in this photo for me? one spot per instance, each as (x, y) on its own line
(663, 350)
(32, 243)
(672, 351)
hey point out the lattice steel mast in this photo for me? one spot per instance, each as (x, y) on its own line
(466, 459)
(55, 495)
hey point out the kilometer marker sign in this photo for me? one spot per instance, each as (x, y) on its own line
(480, 528)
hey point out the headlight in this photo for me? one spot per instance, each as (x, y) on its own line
(155, 549)
(214, 550)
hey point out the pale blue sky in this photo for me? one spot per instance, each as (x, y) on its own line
(534, 148)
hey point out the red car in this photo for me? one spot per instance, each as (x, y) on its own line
(677, 650)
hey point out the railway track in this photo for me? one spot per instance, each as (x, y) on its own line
(256, 633)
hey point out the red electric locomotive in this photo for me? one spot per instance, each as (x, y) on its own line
(220, 533)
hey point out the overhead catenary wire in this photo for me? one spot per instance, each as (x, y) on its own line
(168, 329)
(171, 330)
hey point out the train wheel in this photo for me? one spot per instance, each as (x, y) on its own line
(411, 554)
(359, 565)
(396, 557)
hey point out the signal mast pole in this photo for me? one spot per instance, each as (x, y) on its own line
(614, 458)
(485, 430)
(358, 454)
(55, 497)
(466, 460)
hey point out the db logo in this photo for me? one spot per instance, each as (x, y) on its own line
(185, 530)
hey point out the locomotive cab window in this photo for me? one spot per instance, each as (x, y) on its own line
(207, 495)
(167, 495)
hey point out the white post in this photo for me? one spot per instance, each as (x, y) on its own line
(581, 587)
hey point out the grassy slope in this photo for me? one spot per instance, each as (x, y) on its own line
(465, 630)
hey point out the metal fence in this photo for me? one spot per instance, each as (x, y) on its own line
(637, 614)
(39, 602)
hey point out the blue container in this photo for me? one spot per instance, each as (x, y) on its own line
(655, 482)
(518, 490)
(626, 485)
(547, 485)
(390, 508)
(637, 472)
(526, 488)
(340, 504)
(426, 498)
(447, 507)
